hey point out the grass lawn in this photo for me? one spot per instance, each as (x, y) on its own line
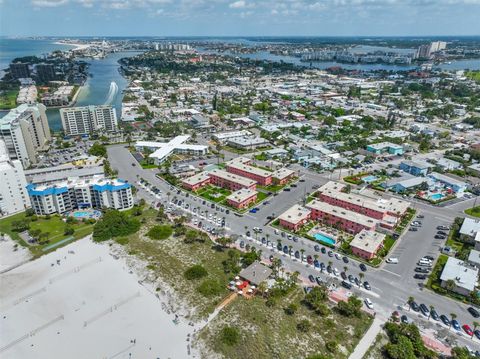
(214, 194)
(8, 99)
(54, 226)
(475, 211)
(254, 320)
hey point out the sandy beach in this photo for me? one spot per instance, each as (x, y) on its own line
(76, 45)
(82, 301)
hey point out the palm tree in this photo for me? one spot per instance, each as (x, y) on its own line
(453, 316)
(245, 227)
(361, 276)
(431, 308)
(330, 263)
(315, 256)
(345, 269)
(262, 287)
(475, 326)
(267, 236)
(450, 285)
(302, 252)
(290, 250)
(410, 301)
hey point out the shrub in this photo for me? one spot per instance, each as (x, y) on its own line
(210, 287)
(291, 309)
(304, 325)
(331, 346)
(229, 336)
(195, 272)
(160, 232)
(68, 230)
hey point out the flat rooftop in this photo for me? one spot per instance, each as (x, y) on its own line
(242, 195)
(392, 205)
(247, 182)
(282, 173)
(343, 213)
(295, 214)
(368, 241)
(247, 168)
(463, 275)
(198, 178)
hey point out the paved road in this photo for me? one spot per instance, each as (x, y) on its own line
(392, 285)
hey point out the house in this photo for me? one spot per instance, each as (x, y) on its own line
(230, 181)
(195, 182)
(475, 169)
(449, 165)
(456, 185)
(294, 217)
(276, 152)
(405, 184)
(385, 147)
(242, 198)
(463, 277)
(240, 166)
(366, 243)
(470, 229)
(415, 168)
(282, 176)
(255, 273)
(474, 258)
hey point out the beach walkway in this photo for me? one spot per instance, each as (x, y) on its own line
(368, 339)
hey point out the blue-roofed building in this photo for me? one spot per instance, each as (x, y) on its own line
(415, 168)
(385, 147)
(75, 193)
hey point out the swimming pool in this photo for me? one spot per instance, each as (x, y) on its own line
(324, 239)
(86, 214)
(369, 179)
(436, 196)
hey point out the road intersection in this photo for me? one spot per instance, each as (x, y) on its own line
(392, 284)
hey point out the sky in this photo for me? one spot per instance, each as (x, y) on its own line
(239, 17)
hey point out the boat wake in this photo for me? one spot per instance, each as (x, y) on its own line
(112, 92)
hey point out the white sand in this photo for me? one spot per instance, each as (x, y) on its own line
(76, 46)
(89, 306)
(11, 256)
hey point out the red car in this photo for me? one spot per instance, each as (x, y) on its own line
(467, 329)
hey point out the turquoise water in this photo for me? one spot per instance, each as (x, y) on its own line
(369, 179)
(324, 239)
(436, 196)
(86, 214)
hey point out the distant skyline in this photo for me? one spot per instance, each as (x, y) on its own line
(239, 17)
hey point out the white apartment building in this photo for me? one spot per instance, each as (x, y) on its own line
(13, 193)
(76, 193)
(25, 132)
(85, 120)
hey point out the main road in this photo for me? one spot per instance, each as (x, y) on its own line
(391, 284)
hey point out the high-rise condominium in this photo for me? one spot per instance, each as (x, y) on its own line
(13, 192)
(25, 132)
(88, 119)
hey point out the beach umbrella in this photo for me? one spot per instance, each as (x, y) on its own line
(238, 283)
(240, 292)
(237, 277)
(253, 287)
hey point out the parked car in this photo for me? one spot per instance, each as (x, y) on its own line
(323, 250)
(414, 306)
(438, 236)
(345, 259)
(366, 285)
(351, 279)
(309, 259)
(421, 270)
(316, 247)
(363, 267)
(346, 285)
(445, 320)
(467, 329)
(455, 324)
(477, 333)
(404, 319)
(242, 244)
(368, 303)
(420, 276)
(316, 263)
(392, 260)
(434, 315)
(473, 312)
(424, 310)
(311, 278)
(318, 280)
(343, 275)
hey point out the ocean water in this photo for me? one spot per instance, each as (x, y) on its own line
(105, 84)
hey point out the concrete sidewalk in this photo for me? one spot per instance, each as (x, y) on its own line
(368, 339)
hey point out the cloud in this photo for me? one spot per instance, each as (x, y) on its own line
(49, 3)
(238, 5)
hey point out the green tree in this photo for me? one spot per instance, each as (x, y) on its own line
(114, 224)
(304, 325)
(229, 336)
(98, 149)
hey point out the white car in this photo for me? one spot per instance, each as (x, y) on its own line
(336, 272)
(368, 303)
(392, 260)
